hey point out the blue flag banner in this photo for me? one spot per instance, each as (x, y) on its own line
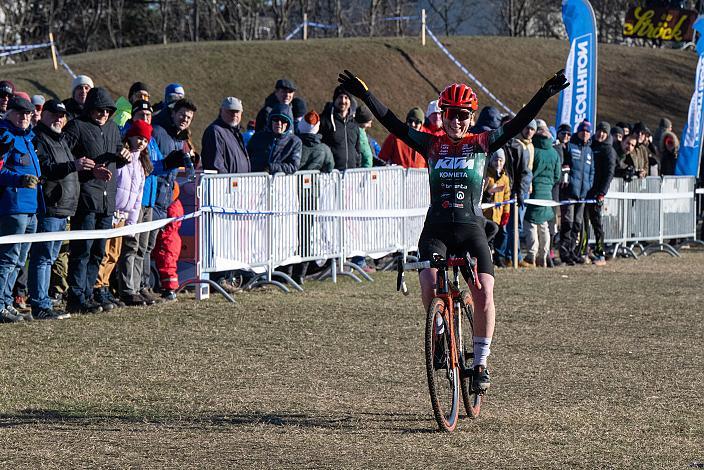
(691, 147)
(578, 101)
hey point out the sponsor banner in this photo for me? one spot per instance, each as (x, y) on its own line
(578, 101)
(688, 160)
(666, 24)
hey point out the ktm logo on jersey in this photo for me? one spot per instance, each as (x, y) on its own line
(455, 164)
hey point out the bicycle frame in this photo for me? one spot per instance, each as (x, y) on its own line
(449, 292)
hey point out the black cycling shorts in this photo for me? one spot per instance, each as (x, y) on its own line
(456, 239)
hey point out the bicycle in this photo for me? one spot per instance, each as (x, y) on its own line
(448, 339)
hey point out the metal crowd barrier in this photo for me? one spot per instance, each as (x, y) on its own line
(654, 210)
(262, 222)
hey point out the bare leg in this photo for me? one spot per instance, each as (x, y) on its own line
(427, 285)
(484, 310)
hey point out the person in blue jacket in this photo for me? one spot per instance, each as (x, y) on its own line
(276, 149)
(19, 198)
(578, 161)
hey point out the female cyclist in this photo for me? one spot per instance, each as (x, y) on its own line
(456, 162)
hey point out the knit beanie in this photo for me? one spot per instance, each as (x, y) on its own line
(137, 86)
(584, 126)
(81, 80)
(141, 129)
(415, 113)
(363, 115)
(310, 124)
(604, 126)
(298, 108)
(340, 91)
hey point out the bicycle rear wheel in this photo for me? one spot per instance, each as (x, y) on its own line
(465, 318)
(443, 380)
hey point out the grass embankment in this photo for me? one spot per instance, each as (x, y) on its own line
(634, 83)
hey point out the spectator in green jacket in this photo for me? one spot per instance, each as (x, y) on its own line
(546, 173)
(315, 155)
(363, 117)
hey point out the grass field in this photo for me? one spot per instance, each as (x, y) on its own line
(591, 368)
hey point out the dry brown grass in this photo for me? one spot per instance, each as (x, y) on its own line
(592, 368)
(634, 83)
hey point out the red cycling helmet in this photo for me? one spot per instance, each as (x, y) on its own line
(458, 95)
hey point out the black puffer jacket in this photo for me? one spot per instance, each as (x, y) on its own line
(342, 136)
(604, 166)
(73, 109)
(61, 186)
(101, 144)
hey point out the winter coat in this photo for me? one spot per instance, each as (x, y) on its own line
(342, 136)
(123, 112)
(546, 173)
(167, 139)
(168, 248)
(61, 187)
(526, 145)
(19, 159)
(263, 114)
(668, 159)
(579, 157)
(130, 188)
(102, 144)
(73, 109)
(397, 152)
(517, 169)
(276, 153)
(365, 150)
(157, 160)
(489, 119)
(494, 181)
(315, 155)
(223, 149)
(604, 167)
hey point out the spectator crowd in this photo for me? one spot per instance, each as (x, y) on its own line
(91, 163)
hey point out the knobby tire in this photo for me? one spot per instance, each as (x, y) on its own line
(443, 383)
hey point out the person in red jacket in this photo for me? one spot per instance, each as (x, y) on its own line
(168, 249)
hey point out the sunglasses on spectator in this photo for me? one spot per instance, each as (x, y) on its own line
(279, 119)
(414, 122)
(5, 95)
(565, 133)
(102, 111)
(454, 113)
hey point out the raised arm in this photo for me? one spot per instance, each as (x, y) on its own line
(386, 117)
(553, 86)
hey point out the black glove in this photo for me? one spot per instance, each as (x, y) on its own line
(175, 159)
(556, 84)
(353, 84)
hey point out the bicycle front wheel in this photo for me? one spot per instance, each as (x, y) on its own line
(443, 379)
(465, 319)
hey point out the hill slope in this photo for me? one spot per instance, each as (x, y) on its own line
(634, 83)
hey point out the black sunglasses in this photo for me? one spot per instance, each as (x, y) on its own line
(414, 121)
(454, 113)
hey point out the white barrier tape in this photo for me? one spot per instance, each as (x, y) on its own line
(293, 33)
(64, 64)
(93, 234)
(699, 191)
(466, 72)
(648, 196)
(19, 50)
(24, 46)
(373, 214)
